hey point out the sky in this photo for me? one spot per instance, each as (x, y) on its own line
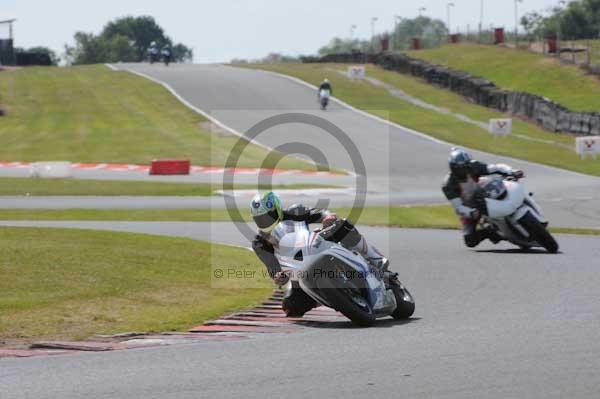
(220, 30)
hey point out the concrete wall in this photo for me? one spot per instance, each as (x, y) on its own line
(548, 114)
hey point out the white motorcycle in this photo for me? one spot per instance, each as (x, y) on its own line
(324, 95)
(338, 278)
(514, 215)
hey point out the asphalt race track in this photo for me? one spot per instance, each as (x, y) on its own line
(399, 164)
(490, 323)
(493, 323)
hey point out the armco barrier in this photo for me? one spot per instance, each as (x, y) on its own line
(51, 170)
(170, 167)
(547, 113)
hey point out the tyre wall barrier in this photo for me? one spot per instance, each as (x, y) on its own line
(543, 111)
(51, 170)
(170, 167)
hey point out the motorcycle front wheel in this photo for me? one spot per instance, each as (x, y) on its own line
(405, 304)
(539, 233)
(347, 298)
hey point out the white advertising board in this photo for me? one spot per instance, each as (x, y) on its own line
(500, 127)
(589, 145)
(357, 72)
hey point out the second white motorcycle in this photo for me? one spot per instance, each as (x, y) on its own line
(513, 214)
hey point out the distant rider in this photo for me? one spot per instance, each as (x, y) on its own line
(461, 189)
(325, 85)
(267, 212)
(166, 53)
(153, 52)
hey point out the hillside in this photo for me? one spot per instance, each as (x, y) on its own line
(93, 114)
(521, 70)
(449, 123)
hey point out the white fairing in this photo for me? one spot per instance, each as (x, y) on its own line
(324, 94)
(298, 248)
(505, 214)
(498, 209)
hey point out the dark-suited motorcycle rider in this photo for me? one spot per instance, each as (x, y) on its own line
(462, 190)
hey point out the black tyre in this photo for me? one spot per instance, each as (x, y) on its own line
(405, 303)
(347, 297)
(539, 233)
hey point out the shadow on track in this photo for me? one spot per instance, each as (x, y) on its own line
(530, 251)
(347, 324)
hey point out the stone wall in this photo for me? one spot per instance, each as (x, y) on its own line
(548, 114)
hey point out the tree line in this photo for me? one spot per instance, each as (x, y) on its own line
(579, 19)
(124, 39)
(431, 33)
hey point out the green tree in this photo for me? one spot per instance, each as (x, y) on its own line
(430, 31)
(339, 46)
(580, 19)
(124, 39)
(182, 53)
(45, 50)
(140, 30)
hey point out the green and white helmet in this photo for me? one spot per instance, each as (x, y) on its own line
(266, 211)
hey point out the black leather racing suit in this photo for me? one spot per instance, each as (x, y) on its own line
(326, 86)
(465, 196)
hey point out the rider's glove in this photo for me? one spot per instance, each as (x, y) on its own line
(519, 174)
(329, 220)
(475, 214)
(281, 278)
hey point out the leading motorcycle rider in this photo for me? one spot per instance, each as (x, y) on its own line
(325, 85)
(267, 212)
(461, 189)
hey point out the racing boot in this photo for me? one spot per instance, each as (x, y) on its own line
(372, 255)
(491, 235)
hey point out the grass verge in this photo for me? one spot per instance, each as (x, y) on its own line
(93, 114)
(521, 70)
(423, 216)
(67, 284)
(25, 186)
(527, 142)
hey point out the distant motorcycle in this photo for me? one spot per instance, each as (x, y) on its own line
(338, 278)
(166, 55)
(153, 56)
(324, 95)
(513, 214)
